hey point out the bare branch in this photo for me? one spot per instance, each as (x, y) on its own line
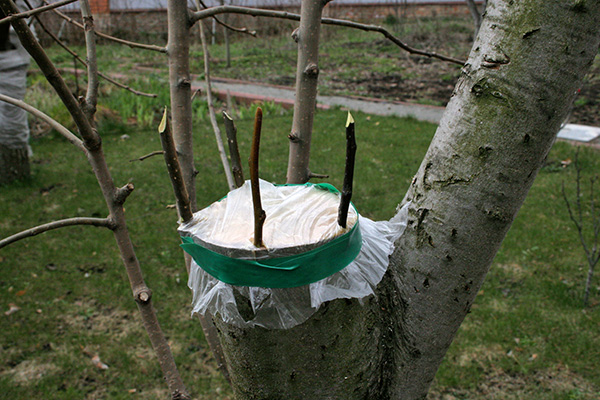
(101, 222)
(234, 153)
(112, 38)
(181, 194)
(196, 93)
(259, 213)
(122, 193)
(35, 11)
(211, 112)
(30, 43)
(317, 176)
(97, 160)
(49, 120)
(348, 172)
(198, 15)
(227, 26)
(82, 61)
(593, 254)
(91, 98)
(154, 153)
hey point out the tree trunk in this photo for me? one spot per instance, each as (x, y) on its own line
(514, 92)
(14, 164)
(307, 73)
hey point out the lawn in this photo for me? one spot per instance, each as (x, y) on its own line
(527, 336)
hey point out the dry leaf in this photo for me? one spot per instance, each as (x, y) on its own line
(12, 309)
(98, 363)
(533, 357)
(20, 293)
(132, 391)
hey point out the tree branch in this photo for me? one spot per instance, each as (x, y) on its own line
(259, 213)
(317, 176)
(91, 98)
(97, 161)
(198, 15)
(112, 38)
(211, 112)
(181, 194)
(122, 193)
(236, 162)
(49, 120)
(307, 73)
(348, 172)
(82, 61)
(142, 158)
(100, 222)
(35, 11)
(227, 26)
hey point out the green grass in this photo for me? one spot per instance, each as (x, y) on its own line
(70, 284)
(349, 60)
(527, 336)
(527, 324)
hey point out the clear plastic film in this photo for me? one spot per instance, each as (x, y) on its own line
(14, 62)
(274, 308)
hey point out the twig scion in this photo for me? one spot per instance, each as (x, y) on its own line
(259, 213)
(348, 172)
(172, 161)
(236, 162)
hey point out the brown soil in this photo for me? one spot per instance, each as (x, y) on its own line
(429, 81)
(425, 86)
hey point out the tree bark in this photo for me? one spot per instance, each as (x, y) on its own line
(14, 164)
(307, 72)
(180, 84)
(514, 91)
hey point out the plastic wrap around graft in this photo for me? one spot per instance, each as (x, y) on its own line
(283, 308)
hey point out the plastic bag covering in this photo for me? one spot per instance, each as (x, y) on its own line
(14, 131)
(283, 308)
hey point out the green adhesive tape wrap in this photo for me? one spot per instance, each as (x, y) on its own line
(281, 272)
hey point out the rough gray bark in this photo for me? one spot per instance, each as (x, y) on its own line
(514, 92)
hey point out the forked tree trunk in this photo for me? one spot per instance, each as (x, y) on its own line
(515, 90)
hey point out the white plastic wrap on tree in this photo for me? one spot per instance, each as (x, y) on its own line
(14, 131)
(298, 215)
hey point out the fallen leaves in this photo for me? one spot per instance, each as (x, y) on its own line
(13, 308)
(98, 363)
(95, 358)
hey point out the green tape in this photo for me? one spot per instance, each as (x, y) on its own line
(281, 272)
